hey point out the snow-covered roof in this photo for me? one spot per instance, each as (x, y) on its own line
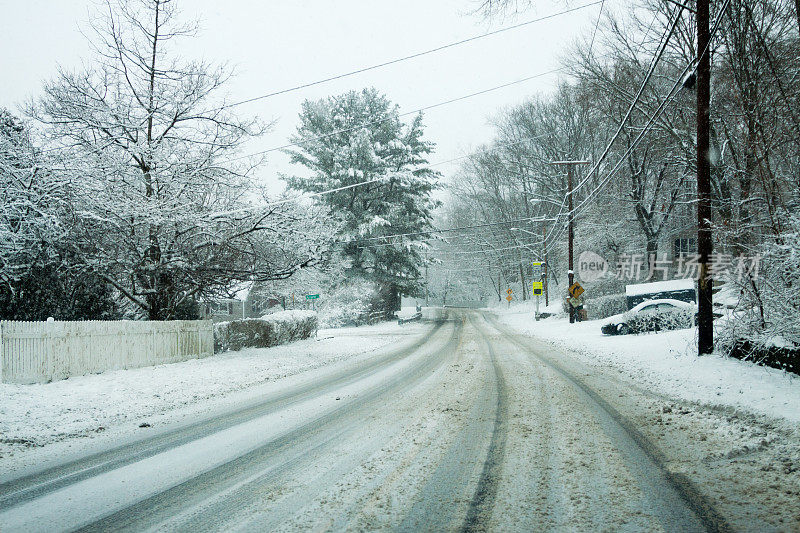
(243, 290)
(659, 286)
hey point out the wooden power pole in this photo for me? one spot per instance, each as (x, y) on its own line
(705, 316)
(570, 223)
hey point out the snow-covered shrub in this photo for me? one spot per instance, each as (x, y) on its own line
(660, 320)
(606, 306)
(349, 304)
(765, 326)
(269, 330)
(783, 357)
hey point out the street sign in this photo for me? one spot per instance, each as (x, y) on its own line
(537, 288)
(575, 290)
(509, 297)
(312, 296)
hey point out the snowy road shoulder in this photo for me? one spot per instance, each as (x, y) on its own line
(666, 362)
(115, 404)
(728, 426)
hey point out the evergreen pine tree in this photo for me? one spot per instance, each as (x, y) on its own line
(359, 137)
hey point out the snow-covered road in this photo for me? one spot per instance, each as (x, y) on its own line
(466, 426)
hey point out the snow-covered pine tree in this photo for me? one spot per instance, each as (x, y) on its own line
(359, 137)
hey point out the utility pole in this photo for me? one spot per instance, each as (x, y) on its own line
(571, 218)
(544, 269)
(705, 316)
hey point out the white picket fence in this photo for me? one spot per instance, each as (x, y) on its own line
(36, 352)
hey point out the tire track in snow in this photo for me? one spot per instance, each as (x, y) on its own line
(226, 489)
(28, 487)
(674, 499)
(528, 489)
(482, 504)
(473, 460)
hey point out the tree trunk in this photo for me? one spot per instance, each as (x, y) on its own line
(652, 251)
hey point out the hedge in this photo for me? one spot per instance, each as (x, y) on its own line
(784, 358)
(660, 321)
(606, 306)
(269, 330)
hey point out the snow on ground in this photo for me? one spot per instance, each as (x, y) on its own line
(40, 414)
(406, 312)
(668, 363)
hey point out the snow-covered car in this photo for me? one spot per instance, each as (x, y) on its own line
(653, 315)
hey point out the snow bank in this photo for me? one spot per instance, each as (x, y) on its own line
(667, 362)
(269, 330)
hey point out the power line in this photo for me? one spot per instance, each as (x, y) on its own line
(446, 230)
(411, 56)
(662, 47)
(659, 111)
(596, 26)
(359, 126)
(387, 63)
(668, 32)
(487, 250)
(393, 117)
(656, 59)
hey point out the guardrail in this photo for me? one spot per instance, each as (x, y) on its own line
(415, 316)
(375, 317)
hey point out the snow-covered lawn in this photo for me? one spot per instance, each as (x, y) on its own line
(668, 363)
(35, 415)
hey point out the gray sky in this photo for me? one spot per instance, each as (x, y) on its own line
(277, 44)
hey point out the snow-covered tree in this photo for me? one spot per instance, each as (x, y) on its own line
(163, 212)
(41, 273)
(358, 137)
(28, 194)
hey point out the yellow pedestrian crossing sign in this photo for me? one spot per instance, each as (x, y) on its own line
(537, 288)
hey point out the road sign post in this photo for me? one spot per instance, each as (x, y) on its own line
(313, 298)
(536, 286)
(575, 291)
(509, 292)
(537, 292)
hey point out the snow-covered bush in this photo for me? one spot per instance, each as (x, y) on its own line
(766, 324)
(660, 320)
(783, 357)
(606, 306)
(269, 330)
(349, 304)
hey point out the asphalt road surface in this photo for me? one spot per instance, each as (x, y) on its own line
(468, 428)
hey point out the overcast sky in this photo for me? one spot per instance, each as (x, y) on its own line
(277, 44)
